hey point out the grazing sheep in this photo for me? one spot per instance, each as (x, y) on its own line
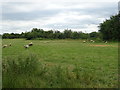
(4, 46)
(30, 44)
(26, 46)
(106, 42)
(92, 41)
(84, 41)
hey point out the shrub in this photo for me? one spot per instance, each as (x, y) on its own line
(23, 64)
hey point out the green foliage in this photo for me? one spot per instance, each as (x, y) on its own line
(68, 33)
(23, 64)
(11, 36)
(110, 29)
(94, 35)
(75, 35)
(40, 33)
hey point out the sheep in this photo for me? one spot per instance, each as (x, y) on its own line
(4, 46)
(106, 42)
(30, 44)
(84, 41)
(92, 41)
(26, 46)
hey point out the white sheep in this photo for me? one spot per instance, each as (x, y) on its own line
(26, 46)
(92, 41)
(30, 44)
(84, 41)
(4, 46)
(106, 42)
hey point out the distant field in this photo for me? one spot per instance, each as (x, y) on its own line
(63, 64)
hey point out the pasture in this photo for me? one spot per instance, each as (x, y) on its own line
(60, 64)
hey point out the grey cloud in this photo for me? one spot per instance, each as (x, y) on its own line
(66, 25)
(15, 29)
(29, 15)
(9, 12)
(84, 21)
(104, 10)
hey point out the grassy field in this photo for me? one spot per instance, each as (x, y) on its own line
(60, 64)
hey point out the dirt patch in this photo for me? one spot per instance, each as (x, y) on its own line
(103, 45)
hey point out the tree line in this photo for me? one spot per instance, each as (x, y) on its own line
(108, 30)
(50, 34)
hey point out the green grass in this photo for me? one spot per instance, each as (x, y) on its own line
(59, 64)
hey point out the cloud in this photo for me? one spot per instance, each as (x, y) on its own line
(53, 14)
(60, 1)
(29, 15)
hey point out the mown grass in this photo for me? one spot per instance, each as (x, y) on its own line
(59, 64)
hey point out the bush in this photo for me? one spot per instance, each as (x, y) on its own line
(21, 65)
(98, 40)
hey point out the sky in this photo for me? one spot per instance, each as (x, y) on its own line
(77, 15)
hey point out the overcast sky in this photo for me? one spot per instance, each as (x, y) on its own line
(77, 15)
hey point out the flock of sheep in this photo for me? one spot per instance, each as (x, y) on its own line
(25, 46)
(94, 41)
(31, 44)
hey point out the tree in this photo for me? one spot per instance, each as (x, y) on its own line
(68, 33)
(75, 35)
(30, 35)
(94, 35)
(110, 29)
